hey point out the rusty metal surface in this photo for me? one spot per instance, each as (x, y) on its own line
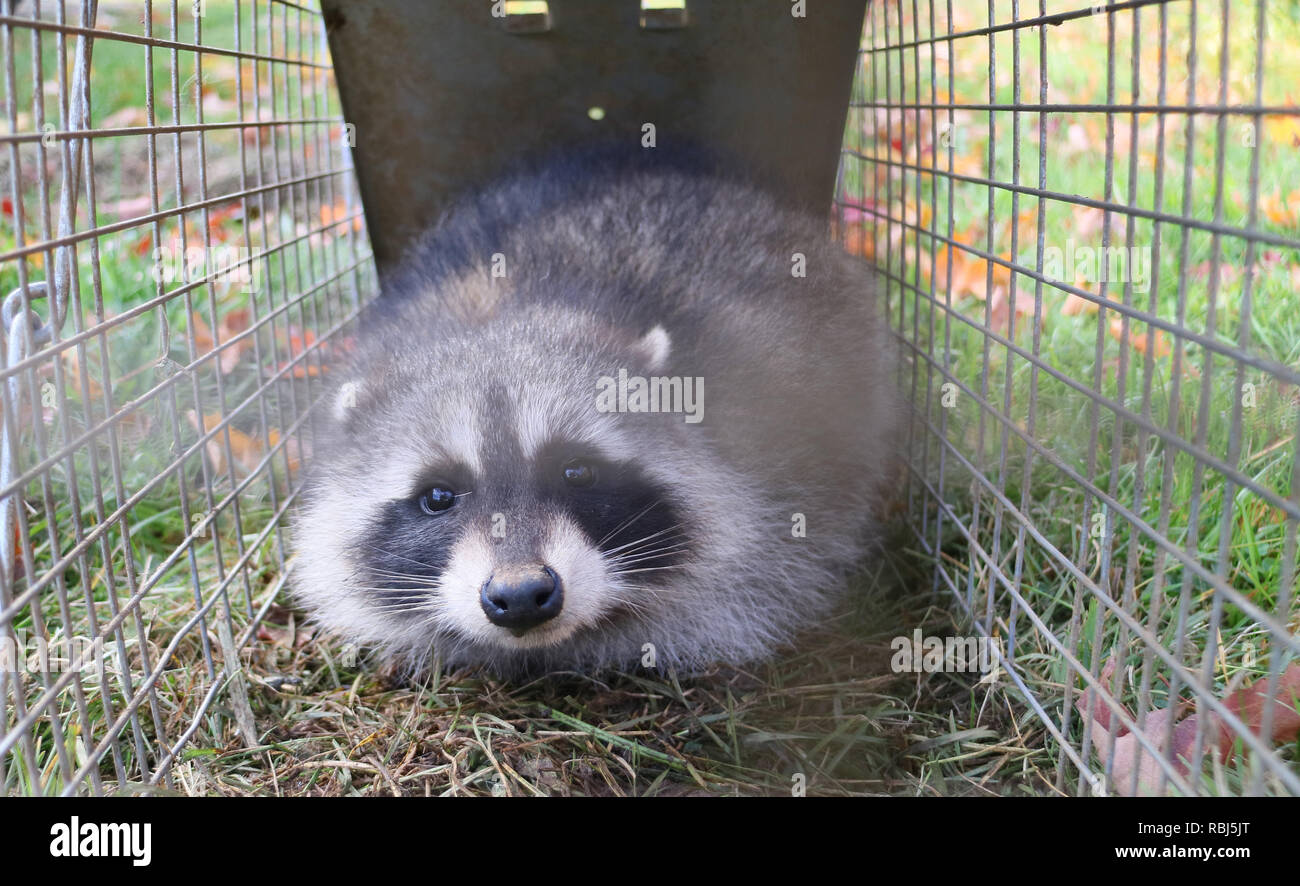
(443, 96)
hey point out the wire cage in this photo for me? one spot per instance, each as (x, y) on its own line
(1086, 231)
(180, 264)
(1085, 219)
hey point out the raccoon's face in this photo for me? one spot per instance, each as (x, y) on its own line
(521, 543)
(473, 497)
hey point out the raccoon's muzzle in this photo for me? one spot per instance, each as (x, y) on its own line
(521, 598)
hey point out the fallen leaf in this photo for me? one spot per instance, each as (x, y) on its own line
(858, 240)
(1131, 756)
(1283, 129)
(295, 449)
(231, 325)
(245, 450)
(1285, 213)
(298, 341)
(330, 215)
(126, 118)
(1138, 340)
(73, 376)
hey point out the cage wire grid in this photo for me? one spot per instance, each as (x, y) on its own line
(1070, 509)
(181, 266)
(152, 441)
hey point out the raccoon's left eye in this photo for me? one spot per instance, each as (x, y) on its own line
(578, 472)
(437, 500)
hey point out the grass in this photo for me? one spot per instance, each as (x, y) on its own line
(832, 713)
(1177, 386)
(325, 721)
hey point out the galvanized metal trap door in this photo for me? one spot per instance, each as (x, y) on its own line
(441, 96)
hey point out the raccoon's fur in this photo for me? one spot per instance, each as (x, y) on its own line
(468, 473)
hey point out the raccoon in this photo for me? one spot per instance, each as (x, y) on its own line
(640, 413)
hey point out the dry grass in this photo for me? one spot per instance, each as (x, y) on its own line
(832, 710)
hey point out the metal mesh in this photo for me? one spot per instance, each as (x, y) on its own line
(1103, 461)
(1102, 465)
(185, 250)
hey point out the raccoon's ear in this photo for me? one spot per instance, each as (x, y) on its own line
(654, 347)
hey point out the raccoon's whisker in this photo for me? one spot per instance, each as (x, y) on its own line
(651, 544)
(404, 601)
(651, 555)
(666, 529)
(403, 576)
(628, 522)
(401, 611)
(404, 606)
(647, 569)
(389, 589)
(648, 552)
(381, 585)
(675, 527)
(637, 608)
(669, 543)
(380, 550)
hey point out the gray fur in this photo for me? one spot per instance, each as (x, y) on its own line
(798, 417)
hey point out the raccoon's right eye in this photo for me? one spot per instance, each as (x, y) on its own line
(578, 472)
(437, 500)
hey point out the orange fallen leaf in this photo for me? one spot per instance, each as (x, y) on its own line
(73, 376)
(245, 450)
(330, 215)
(1281, 212)
(1139, 340)
(294, 448)
(1076, 305)
(858, 241)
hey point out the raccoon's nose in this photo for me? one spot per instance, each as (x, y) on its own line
(522, 598)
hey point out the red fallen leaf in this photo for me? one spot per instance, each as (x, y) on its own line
(235, 321)
(1247, 703)
(218, 218)
(1250, 702)
(232, 324)
(298, 341)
